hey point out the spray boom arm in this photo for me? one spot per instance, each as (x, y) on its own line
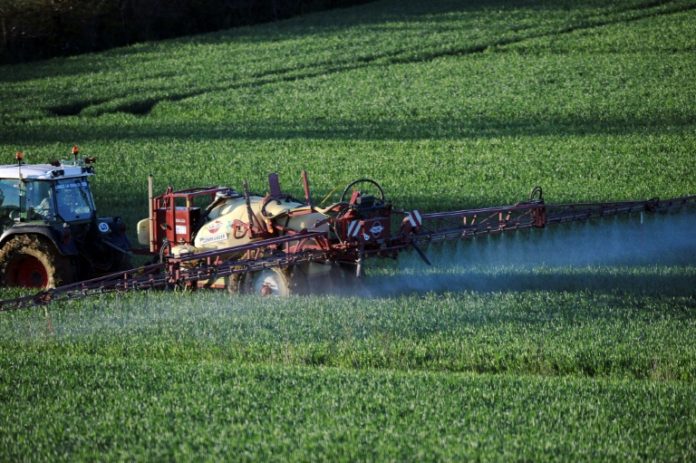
(359, 227)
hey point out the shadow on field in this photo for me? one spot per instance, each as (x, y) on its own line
(455, 127)
(144, 106)
(371, 16)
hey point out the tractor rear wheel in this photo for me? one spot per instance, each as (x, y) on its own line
(268, 282)
(33, 262)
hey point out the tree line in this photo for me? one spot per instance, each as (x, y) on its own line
(36, 29)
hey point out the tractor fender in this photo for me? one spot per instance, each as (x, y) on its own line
(49, 234)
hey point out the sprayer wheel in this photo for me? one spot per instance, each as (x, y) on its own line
(268, 282)
(30, 261)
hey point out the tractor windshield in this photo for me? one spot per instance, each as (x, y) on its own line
(74, 199)
(39, 200)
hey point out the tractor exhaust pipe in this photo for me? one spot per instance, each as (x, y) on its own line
(307, 193)
(250, 212)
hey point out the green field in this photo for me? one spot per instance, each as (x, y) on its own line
(506, 349)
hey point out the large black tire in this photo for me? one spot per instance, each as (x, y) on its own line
(31, 261)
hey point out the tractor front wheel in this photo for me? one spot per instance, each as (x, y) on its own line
(33, 262)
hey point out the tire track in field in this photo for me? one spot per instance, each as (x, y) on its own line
(402, 56)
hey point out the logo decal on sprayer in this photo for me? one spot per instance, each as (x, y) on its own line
(214, 227)
(213, 238)
(376, 229)
(355, 230)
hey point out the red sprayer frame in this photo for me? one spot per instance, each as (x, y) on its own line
(359, 228)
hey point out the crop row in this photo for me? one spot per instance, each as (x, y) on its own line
(66, 408)
(330, 42)
(578, 334)
(586, 121)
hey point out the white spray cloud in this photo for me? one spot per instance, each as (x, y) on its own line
(654, 254)
(637, 253)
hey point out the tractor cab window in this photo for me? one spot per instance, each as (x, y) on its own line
(74, 199)
(39, 200)
(9, 200)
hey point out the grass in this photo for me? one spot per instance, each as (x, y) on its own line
(483, 94)
(546, 333)
(537, 375)
(200, 410)
(567, 345)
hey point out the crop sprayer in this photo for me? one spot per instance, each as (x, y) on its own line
(274, 244)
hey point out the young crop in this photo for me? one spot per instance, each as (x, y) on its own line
(89, 408)
(545, 333)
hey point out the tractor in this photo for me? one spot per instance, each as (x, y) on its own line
(50, 234)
